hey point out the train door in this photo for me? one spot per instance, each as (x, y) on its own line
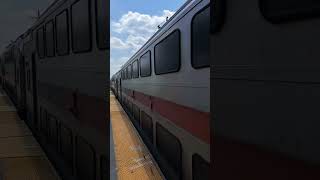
(22, 108)
(120, 90)
(34, 90)
(28, 90)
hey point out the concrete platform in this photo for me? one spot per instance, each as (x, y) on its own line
(132, 158)
(21, 157)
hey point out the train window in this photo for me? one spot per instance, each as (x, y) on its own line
(135, 69)
(102, 25)
(200, 39)
(200, 168)
(62, 33)
(43, 122)
(173, 154)
(129, 68)
(40, 42)
(147, 125)
(29, 79)
(136, 114)
(53, 133)
(127, 72)
(286, 10)
(50, 39)
(81, 26)
(121, 73)
(130, 107)
(66, 145)
(167, 54)
(104, 168)
(85, 160)
(145, 64)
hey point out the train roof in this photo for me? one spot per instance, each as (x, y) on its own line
(34, 25)
(165, 27)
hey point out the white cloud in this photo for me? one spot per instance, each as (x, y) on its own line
(116, 64)
(117, 43)
(131, 31)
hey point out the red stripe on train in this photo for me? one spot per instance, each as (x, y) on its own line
(195, 122)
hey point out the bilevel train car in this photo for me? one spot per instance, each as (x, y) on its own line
(266, 91)
(57, 74)
(165, 89)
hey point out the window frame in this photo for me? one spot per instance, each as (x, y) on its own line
(192, 35)
(68, 33)
(97, 27)
(138, 70)
(150, 55)
(90, 28)
(129, 72)
(43, 39)
(179, 154)
(154, 54)
(54, 38)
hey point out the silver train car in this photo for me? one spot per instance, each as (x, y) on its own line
(56, 74)
(265, 57)
(165, 89)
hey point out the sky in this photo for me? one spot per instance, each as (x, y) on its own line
(133, 22)
(16, 17)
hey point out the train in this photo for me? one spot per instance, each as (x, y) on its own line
(265, 89)
(165, 90)
(57, 73)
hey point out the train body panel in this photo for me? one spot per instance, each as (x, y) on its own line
(62, 67)
(265, 81)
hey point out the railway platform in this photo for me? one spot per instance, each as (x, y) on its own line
(21, 157)
(132, 159)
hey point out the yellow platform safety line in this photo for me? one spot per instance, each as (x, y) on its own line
(133, 159)
(21, 157)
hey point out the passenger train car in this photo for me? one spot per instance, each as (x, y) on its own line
(57, 74)
(265, 81)
(164, 88)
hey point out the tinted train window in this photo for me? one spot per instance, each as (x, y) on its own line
(43, 122)
(167, 54)
(135, 69)
(285, 10)
(53, 132)
(40, 42)
(102, 19)
(147, 125)
(169, 147)
(145, 64)
(62, 33)
(50, 39)
(136, 114)
(85, 160)
(66, 144)
(200, 168)
(200, 39)
(129, 71)
(81, 29)
(104, 168)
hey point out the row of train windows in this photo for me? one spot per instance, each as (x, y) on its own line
(54, 35)
(60, 138)
(165, 139)
(167, 53)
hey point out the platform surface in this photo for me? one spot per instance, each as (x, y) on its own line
(21, 157)
(132, 158)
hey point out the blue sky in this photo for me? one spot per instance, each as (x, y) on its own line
(133, 22)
